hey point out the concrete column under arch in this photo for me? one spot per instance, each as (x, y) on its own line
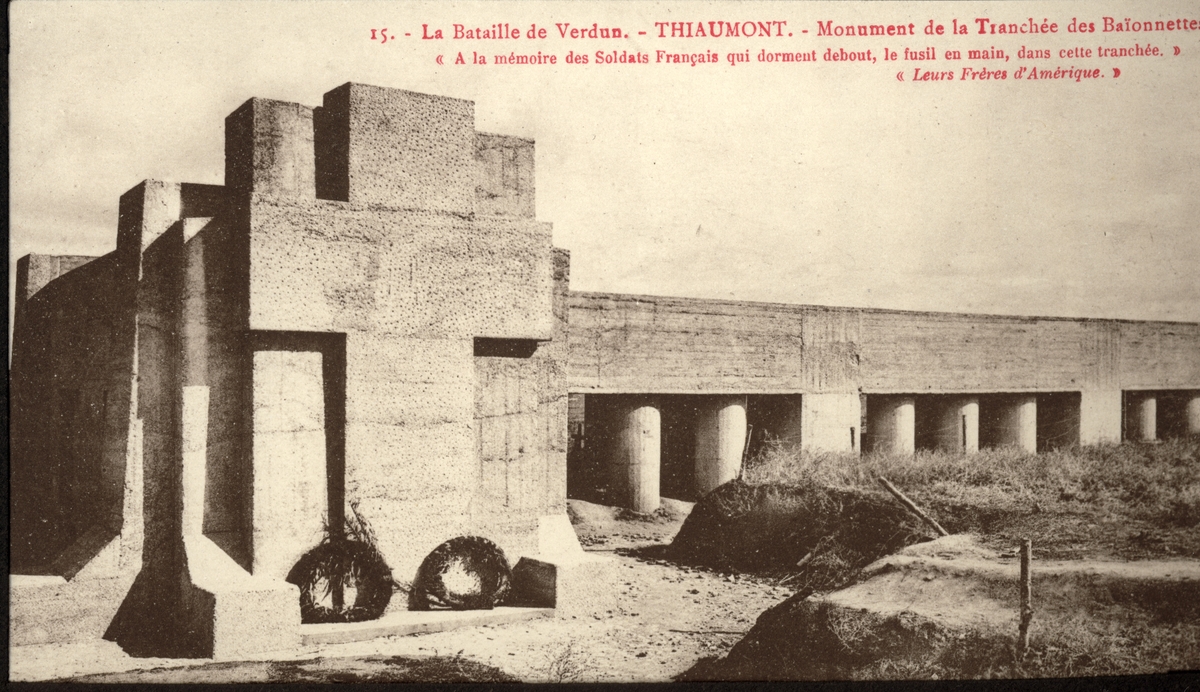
(720, 439)
(1193, 413)
(637, 457)
(892, 420)
(1142, 417)
(1016, 423)
(958, 425)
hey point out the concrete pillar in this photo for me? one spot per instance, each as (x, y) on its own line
(637, 461)
(269, 149)
(397, 148)
(720, 440)
(194, 431)
(1193, 414)
(1142, 417)
(958, 425)
(830, 422)
(893, 423)
(1017, 423)
(1099, 417)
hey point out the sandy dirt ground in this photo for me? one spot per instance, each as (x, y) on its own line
(666, 619)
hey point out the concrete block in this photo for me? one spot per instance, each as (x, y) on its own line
(582, 584)
(194, 430)
(146, 212)
(830, 422)
(1100, 417)
(269, 150)
(556, 536)
(94, 555)
(230, 613)
(50, 609)
(402, 149)
(400, 273)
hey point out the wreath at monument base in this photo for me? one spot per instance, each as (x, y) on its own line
(464, 573)
(344, 578)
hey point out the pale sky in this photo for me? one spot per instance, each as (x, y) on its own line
(820, 183)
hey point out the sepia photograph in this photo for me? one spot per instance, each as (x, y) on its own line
(618, 342)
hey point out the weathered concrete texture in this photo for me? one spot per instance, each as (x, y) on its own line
(654, 344)
(398, 272)
(70, 405)
(1193, 414)
(891, 423)
(46, 609)
(504, 176)
(397, 149)
(290, 486)
(1100, 416)
(564, 577)
(720, 441)
(228, 613)
(269, 149)
(225, 611)
(831, 422)
(636, 463)
(647, 344)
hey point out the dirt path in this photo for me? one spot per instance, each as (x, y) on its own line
(666, 619)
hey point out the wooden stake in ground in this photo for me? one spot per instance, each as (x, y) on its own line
(1026, 598)
(745, 450)
(912, 507)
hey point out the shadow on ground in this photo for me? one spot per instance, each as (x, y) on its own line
(377, 669)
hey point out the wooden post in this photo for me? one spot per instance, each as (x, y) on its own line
(1026, 598)
(912, 507)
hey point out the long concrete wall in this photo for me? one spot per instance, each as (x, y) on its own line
(647, 344)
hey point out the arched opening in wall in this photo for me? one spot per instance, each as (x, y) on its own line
(772, 419)
(1141, 417)
(1057, 420)
(1008, 420)
(1175, 410)
(678, 457)
(928, 426)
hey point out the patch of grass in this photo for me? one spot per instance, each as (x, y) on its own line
(569, 663)
(1130, 500)
(1157, 482)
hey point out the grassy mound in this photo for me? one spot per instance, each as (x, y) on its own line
(1114, 502)
(814, 639)
(814, 536)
